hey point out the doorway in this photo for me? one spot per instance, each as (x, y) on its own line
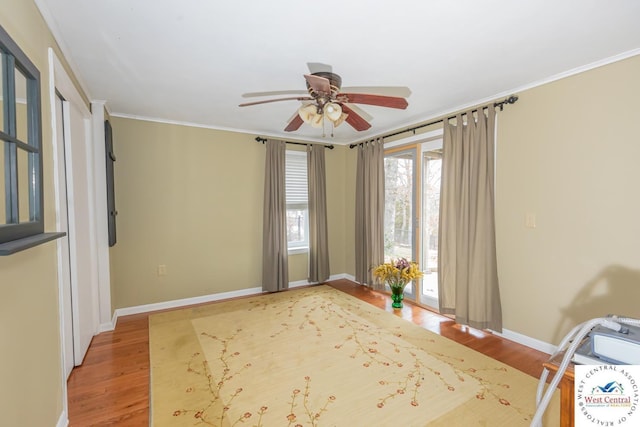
(412, 210)
(75, 209)
(400, 208)
(80, 236)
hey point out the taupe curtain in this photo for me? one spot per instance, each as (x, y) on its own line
(318, 236)
(275, 270)
(467, 266)
(369, 210)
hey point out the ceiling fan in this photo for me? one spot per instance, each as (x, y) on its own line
(326, 100)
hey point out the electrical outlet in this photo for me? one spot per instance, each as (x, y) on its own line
(162, 270)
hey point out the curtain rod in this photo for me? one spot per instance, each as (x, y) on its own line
(510, 100)
(263, 140)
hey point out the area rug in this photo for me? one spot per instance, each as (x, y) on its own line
(319, 357)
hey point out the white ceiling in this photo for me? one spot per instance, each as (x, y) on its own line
(191, 61)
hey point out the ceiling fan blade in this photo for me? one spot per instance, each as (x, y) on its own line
(368, 117)
(296, 98)
(356, 122)
(320, 85)
(380, 100)
(400, 91)
(294, 124)
(318, 67)
(275, 93)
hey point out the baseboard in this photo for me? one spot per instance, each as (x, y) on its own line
(108, 326)
(344, 276)
(63, 421)
(528, 341)
(300, 283)
(201, 299)
(307, 283)
(184, 302)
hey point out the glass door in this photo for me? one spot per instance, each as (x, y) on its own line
(412, 213)
(431, 173)
(400, 214)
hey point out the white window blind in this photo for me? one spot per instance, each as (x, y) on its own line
(297, 201)
(296, 178)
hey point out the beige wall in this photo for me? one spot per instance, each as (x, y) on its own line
(568, 151)
(191, 199)
(30, 361)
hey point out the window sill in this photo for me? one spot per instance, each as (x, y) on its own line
(295, 251)
(14, 246)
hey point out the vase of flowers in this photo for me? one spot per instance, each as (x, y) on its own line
(396, 274)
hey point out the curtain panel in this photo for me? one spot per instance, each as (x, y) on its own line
(467, 266)
(369, 211)
(275, 269)
(318, 234)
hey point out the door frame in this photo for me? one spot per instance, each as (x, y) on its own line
(63, 255)
(59, 80)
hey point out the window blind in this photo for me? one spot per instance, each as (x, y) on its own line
(296, 177)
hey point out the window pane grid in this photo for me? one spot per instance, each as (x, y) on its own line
(20, 142)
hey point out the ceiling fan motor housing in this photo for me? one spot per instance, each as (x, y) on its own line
(335, 81)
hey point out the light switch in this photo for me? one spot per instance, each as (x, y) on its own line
(162, 270)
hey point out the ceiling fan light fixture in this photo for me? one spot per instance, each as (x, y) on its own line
(333, 111)
(339, 120)
(307, 112)
(317, 120)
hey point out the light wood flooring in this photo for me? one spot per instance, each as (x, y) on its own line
(111, 388)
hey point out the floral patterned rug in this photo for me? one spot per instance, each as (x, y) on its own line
(319, 357)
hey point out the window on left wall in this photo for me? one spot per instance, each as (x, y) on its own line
(297, 201)
(21, 196)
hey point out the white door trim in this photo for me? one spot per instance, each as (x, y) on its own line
(60, 81)
(105, 317)
(61, 218)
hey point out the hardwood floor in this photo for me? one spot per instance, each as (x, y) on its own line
(111, 388)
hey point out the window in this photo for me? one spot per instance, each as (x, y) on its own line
(297, 201)
(21, 198)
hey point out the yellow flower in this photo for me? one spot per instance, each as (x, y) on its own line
(397, 272)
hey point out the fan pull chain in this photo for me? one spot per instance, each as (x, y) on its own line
(323, 127)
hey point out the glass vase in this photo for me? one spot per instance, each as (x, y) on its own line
(397, 295)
